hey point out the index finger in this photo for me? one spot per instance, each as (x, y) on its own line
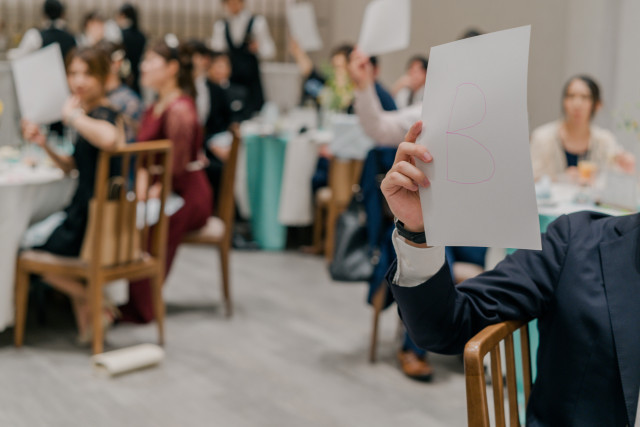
(408, 149)
(414, 132)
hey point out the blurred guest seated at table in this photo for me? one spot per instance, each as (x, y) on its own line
(246, 39)
(582, 288)
(201, 57)
(133, 40)
(236, 96)
(332, 88)
(121, 96)
(89, 113)
(558, 148)
(409, 89)
(167, 69)
(225, 102)
(53, 31)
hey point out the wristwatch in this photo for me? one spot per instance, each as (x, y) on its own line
(418, 238)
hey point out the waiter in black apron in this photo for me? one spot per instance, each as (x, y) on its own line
(246, 39)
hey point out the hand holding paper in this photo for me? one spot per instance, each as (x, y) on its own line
(476, 128)
(400, 186)
(360, 69)
(303, 26)
(41, 85)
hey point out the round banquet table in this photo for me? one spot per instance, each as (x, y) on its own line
(27, 194)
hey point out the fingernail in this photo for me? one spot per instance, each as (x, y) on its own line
(425, 182)
(427, 157)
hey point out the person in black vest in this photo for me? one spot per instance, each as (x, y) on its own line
(54, 31)
(246, 38)
(133, 40)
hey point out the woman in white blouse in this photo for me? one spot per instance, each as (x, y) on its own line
(557, 147)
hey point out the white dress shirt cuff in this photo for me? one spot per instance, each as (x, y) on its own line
(415, 265)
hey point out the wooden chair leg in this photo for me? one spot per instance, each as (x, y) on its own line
(332, 217)
(226, 285)
(317, 228)
(22, 300)
(378, 302)
(96, 307)
(158, 306)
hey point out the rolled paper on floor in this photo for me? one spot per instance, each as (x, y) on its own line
(117, 362)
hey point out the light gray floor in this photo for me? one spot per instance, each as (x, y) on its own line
(294, 354)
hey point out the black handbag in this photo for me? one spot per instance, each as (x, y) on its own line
(352, 257)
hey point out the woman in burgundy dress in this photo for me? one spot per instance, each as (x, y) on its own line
(168, 71)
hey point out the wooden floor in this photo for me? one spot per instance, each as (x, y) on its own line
(294, 354)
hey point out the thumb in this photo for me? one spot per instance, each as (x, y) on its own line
(414, 132)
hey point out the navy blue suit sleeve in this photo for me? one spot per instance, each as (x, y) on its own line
(441, 317)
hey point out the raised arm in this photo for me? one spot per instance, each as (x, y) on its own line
(384, 127)
(442, 317)
(101, 133)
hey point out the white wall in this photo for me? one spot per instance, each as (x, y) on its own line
(626, 74)
(596, 37)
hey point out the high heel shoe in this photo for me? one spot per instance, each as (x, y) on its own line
(110, 314)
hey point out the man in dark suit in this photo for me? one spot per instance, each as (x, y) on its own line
(583, 287)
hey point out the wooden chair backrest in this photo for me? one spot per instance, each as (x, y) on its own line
(227, 207)
(343, 175)
(112, 226)
(488, 341)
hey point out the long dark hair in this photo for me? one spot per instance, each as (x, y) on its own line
(129, 11)
(594, 88)
(182, 56)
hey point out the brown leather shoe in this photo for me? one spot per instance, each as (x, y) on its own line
(415, 367)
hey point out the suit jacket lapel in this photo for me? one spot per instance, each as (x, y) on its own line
(620, 260)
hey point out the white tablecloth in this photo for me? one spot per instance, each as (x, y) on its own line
(26, 196)
(563, 198)
(296, 205)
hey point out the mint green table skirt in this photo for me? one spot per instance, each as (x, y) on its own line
(534, 339)
(265, 164)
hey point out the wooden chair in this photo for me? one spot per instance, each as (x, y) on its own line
(488, 341)
(219, 229)
(112, 251)
(344, 174)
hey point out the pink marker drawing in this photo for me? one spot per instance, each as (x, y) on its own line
(463, 135)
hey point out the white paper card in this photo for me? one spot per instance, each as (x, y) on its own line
(386, 27)
(41, 85)
(476, 126)
(304, 26)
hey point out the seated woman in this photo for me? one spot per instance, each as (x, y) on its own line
(167, 70)
(89, 113)
(122, 97)
(557, 147)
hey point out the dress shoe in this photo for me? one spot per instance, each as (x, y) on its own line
(415, 367)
